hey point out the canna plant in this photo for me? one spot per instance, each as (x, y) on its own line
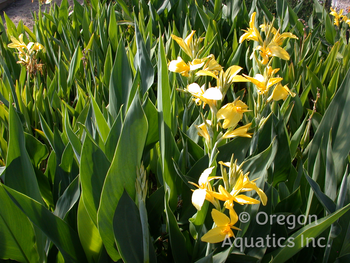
(156, 132)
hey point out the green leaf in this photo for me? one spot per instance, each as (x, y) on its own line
(328, 204)
(73, 139)
(62, 235)
(143, 62)
(102, 125)
(120, 84)
(330, 32)
(113, 29)
(177, 239)
(152, 118)
(93, 169)
(37, 151)
(63, 12)
(68, 199)
(128, 230)
(305, 235)
(74, 65)
(19, 174)
(16, 231)
(257, 165)
(88, 233)
(122, 173)
(335, 119)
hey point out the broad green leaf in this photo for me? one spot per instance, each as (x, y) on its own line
(330, 32)
(324, 199)
(101, 122)
(152, 118)
(74, 65)
(20, 174)
(335, 119)
(120, 84)
(113, 29)
(62, 235)
(122, 173)
(63, 11)
(128, 230)
(166, 140)
(143, 62)
(16, 231)
(88, 233)
(177, 239)
(72, 137)
(113, 137)
(257, 165)
(93, 169)
(68, 199)
(37, 151)
(305, 235)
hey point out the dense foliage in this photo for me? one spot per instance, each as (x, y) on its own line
(175, 131)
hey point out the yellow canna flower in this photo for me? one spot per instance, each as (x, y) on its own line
(18, 44)
(252, 32)
(35, 47)
(27, 53)
(204, 188)
(239, 132)
(209, 96)
(263, 84)
(210, 68)
(242, 185)
(280, 93)
(337, 16)
(232, 113)
(250, 186)
(231, 76)
(186, 44)
(272, 50)
(203, 130)
(223, 229)
(179, 66)
(279, 38)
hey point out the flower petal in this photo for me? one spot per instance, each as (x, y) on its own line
(220, 218)
(198, 198)
(213, 236)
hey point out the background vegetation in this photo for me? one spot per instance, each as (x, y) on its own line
(97, 110)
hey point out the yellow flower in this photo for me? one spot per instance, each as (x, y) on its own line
(239, 132)
(263, 84)
(280, 93)
(250, 186)
(35, 47)
(346, 20)
(203, 130)
(185, 44)
(223, 229)
(204, 188)
(252, 32)
(232, 113)
(210, 68)
(18, 44)
(224, 79)
(242, 185)
(209, 96)
(272, 50)
(179, 66)
(337, 16)
(279, 38)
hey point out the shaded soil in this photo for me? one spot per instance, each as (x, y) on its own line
(23, 10)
